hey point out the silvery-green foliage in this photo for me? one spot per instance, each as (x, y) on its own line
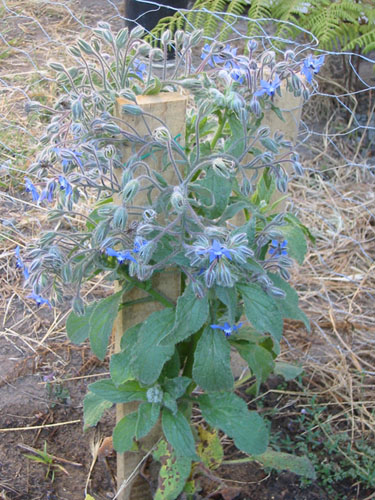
(215, 220)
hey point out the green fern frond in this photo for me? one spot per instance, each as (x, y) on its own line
(238, 7)
(212, 22)
(366, 42)
(289, 11)
(234, 9)
(259, 9)
(335, 23)
(328, 20)
(195, 17)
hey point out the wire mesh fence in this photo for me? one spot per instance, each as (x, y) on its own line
(335, 198)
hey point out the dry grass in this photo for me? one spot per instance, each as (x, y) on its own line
(336, 200)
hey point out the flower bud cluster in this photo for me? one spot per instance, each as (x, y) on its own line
(154, 223)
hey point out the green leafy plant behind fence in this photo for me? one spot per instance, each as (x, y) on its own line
(340, 24)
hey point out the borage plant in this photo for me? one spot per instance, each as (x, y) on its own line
(217, 223)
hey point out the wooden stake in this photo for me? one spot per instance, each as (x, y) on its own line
(171, 108)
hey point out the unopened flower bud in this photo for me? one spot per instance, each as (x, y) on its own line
(252, 45)
(246, 187)
(298, 168)
(235, 102)
(84, 46)
(223, 167)
(154, 394)
(224, 76)
(255, 107)
(120, 218)
(132, 109)
(263, 132)
(75, 51)
(144, 49)
(156, 55)
(198, 289)
(282, 184)
(191, 84)
(196, 37)
(162, 134)
(276, 292)
(112, 128)
(122, 37)
(217, 97)
(178, 199)
(144, 272)
(57, 66)
(253, 65)
(166, 37)
(179, 36)
(130, 190)
(77, 109)
(104, 25)
(109, 151)
(32, 106)
(137, 32)
(289, 54)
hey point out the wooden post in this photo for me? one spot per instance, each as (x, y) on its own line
(171, 108)
(291, 108)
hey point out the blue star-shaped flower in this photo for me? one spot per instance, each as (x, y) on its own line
(227, 328)
(48, 192)
(140, 68)
(278, 248)
(39, 300)
(216, 251)
(64, 185)
(65, 162)
(30, 188)
(237, 75)
(120, 256)
(268, 88)
(19, 262)
(138, 245)
(216, 59)
(311, 66)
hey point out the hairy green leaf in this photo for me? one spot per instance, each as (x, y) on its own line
(129, 391)
(228, 412)
(191, 314)
(211, 369)
(77, 327)
(148, 414)
(178, 433)
(124, 433)
(93, 408)
(101, 323)
(148, 356)
(261, 310)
